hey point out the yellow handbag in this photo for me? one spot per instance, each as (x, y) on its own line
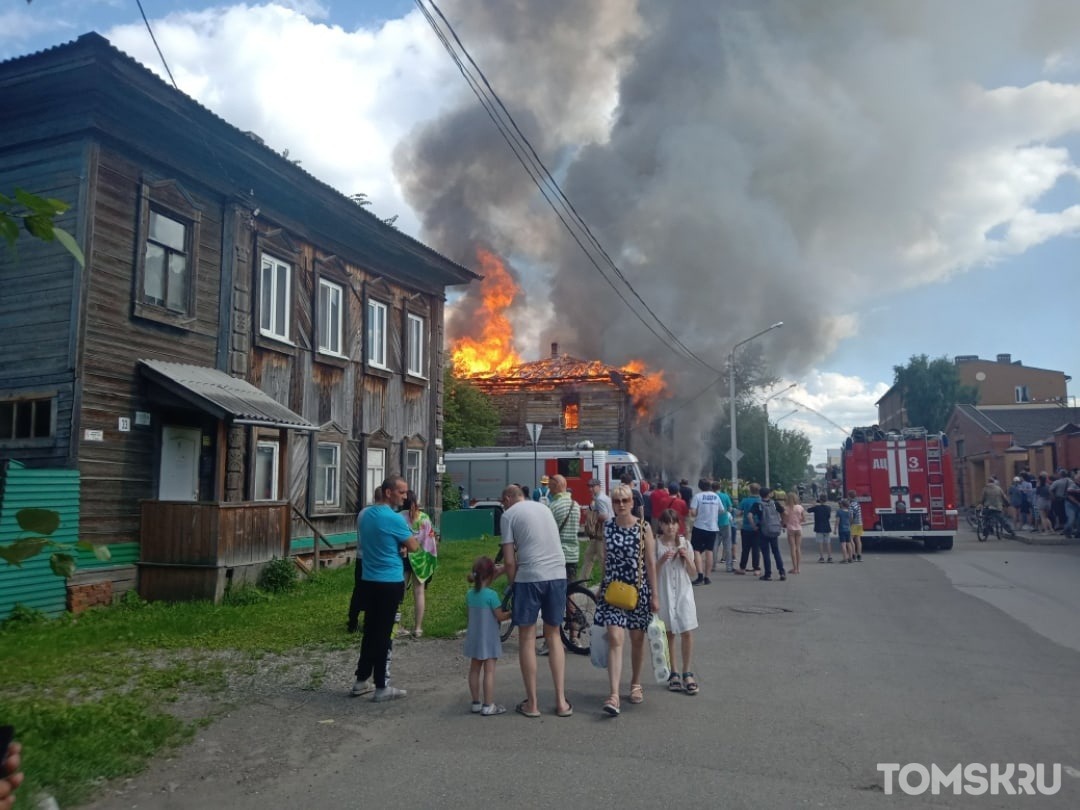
(623, 595)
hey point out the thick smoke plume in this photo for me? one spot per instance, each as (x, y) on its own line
(749, 161)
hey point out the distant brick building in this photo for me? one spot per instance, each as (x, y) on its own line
(1003, 382)
(1003, 441)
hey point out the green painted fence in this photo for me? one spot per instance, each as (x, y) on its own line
(467, 524)
(34, 584)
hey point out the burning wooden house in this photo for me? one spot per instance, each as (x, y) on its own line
(573, 399)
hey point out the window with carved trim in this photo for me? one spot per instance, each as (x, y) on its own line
(168, 254)
(327, 474)
(330, 317)
(275, 289)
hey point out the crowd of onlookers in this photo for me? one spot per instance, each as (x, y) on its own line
(1042, 503)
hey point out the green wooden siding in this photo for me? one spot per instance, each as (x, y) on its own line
(34, 584)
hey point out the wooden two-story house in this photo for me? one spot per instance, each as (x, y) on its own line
(246, 351)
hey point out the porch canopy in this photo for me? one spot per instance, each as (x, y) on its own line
(222, 396)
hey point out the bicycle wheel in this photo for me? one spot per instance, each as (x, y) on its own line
(972, 520)
(506, 627)
(984, 530)
(577, 624)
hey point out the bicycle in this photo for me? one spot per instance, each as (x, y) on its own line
(993, 520)
(577, 622)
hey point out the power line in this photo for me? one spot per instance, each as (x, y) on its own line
(545, 182)
(154, 40)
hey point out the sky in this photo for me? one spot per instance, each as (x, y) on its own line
(889, 178)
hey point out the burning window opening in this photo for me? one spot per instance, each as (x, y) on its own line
(571, 416)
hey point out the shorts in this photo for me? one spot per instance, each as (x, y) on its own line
(856, 530)
(845, 537)
(823, 537)
(702, 540)
(532, 599)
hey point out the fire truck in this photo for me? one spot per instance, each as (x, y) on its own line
(904, 483)
(484, 472)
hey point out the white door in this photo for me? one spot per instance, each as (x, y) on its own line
(179, 464)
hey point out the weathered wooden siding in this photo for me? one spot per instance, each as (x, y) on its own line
(604, 416)
(213, 534)
(119, 471)
(38, 294)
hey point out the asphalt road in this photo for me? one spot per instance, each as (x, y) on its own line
(968, 656)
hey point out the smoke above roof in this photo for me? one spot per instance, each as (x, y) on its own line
(747, 162)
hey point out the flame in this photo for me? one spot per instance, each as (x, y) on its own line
(493, 352)
(646, 387)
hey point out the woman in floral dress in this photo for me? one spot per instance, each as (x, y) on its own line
(629, 555)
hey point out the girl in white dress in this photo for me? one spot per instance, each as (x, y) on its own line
(674, 571)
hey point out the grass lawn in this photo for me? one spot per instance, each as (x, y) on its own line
(89, 696)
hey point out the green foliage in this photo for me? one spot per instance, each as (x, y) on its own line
(22, 615)
(240, 595)
(451, 498)
(752, 374)
(37, 216)
(45, 521)
(470, 419)
(132, 601)
(789, 450)
(930, 390)
(278, 575)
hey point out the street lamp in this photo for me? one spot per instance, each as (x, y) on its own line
(733, 453)
(765, 405)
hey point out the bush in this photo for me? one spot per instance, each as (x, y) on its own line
(451, 498)
(278, 576)
(240, 595)
(23, 615)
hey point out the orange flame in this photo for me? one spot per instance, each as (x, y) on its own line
(647, 389)
(493, 352)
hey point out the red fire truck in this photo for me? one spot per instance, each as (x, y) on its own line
(904, 482)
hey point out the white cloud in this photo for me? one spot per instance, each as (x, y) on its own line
(338, 100)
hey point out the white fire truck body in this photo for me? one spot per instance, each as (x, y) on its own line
(903, 480)
(484, 472)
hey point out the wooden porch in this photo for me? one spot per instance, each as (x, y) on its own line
(193, 550)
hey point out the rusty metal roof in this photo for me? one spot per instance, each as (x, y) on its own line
(222, 396)
(559, 369)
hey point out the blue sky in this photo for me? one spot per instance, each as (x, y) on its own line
(983, 290)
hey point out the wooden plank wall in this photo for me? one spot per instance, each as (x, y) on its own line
(39, 282)
(119, 471)
(603, 416)
(214, 534)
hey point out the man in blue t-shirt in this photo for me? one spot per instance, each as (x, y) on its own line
(383, 535)
(750, 536)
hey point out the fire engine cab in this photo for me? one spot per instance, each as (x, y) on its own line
(904, 482)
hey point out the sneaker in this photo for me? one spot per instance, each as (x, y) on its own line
(476, 707)
(362, 688)
(829, 560)
(706, 581)
(389, 693)
(783, 577)
(700, 578)
(858, 558)
(490, 708)
(821, 559)
(542, 650)
(765, 578)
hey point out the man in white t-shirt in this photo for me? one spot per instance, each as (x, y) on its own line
(536, 568)
(705, 509)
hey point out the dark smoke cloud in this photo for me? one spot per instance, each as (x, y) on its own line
(766, 160)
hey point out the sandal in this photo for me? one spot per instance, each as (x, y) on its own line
(674, 684)
(611, 705)
(690, 682)
(637, 693)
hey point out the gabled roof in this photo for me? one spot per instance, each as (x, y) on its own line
(1026, 424)
(89, 84)
(222, 396)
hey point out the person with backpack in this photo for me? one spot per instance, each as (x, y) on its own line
(769, 525)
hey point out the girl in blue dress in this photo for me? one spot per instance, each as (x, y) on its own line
(482, 643)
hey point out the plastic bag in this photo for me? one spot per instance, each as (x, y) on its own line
(658, 649)
(598, 646)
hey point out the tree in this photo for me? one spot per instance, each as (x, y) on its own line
(469, 418)
(37, 216)
(789, 450)
(930, 389)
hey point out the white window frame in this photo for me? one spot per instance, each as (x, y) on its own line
(268, 313)
(275, 460)
(414, 471)
(374, 470)
(415, 340)
(377, 313)
(327, 478)
(1022, 393)
(331, 329)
